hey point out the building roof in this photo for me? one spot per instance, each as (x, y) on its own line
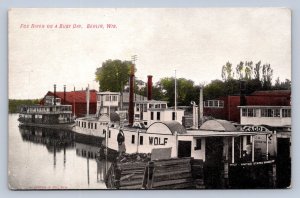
(75, 96)
(218, 125)
(108, 92)
(272, 93)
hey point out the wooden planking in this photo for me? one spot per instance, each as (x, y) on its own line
(130, 187)
(131, 182)
(172, 176)
(187, 185)
(172, 182)
(173, 168)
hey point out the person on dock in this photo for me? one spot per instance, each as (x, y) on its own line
(121, 142)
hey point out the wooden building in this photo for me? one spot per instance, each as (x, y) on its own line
(75, 98)
(226, 107)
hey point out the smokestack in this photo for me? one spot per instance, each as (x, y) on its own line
(54, 94)
(149, 86)
(201, 105)
(243, 101)
(88, 100)
(195, 115)
(64, 94)
(131, 95)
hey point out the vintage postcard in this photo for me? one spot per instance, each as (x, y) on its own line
(140, 98)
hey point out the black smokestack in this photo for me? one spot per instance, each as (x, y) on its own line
(243, 101)
(65, 94)
(131, 95)
(54, 94)
(149, 86)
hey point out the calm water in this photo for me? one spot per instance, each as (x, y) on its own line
(48, 159)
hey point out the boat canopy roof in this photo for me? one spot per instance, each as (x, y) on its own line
(218, 125)
(172, 126)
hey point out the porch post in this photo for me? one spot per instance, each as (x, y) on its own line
(267, 142)
(252, 148)
(232, 150)
(241, 146)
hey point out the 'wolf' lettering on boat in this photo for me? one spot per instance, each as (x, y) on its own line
(157, 141)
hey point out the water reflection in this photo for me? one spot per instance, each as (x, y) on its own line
(51, 159)
(93, 152)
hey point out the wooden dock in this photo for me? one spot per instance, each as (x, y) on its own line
(177, 173)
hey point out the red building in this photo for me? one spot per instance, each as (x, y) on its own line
(75, 98)
(227, 107)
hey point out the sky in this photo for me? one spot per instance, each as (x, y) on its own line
(196, 42)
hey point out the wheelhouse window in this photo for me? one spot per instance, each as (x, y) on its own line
(286, 113)
(270, 113)
(249, 112)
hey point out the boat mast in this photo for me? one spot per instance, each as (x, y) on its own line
(175, 96)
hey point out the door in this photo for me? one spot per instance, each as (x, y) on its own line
(283, 163)
(184, 148)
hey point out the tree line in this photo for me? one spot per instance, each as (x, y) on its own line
(113, 75)
(14, 105)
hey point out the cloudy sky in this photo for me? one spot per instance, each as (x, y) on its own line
(194, 42)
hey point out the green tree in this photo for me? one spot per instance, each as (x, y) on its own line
(267, 73)
(214, 89)
(185, 90)
(239, 70)
(113, 75)
(257, 69)
(227, 72)
(248, 70)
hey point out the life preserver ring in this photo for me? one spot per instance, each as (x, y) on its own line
(120, 137)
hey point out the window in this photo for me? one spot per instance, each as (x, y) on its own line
(91, 125)
(152, 115)
(95, 125)
(244, 112)
(198, 144)
(214, 103)
(145, 108)
(141, 140)
(107, 98)
(173, 115)
(157, 106)
(88, 125)
(109, 132)
(132, 139)
(286, 113)
(251, 112)
(158, 115)
(163, 106)
(114, 98)
(270, 113)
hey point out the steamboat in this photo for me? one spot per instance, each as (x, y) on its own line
(53, 114)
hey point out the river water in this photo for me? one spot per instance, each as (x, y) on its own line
(49, 159)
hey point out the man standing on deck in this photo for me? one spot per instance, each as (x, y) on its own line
(121, 142)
